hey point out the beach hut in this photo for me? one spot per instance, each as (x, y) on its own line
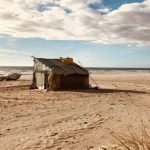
(59, 74)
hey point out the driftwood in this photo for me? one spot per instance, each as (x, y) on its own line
(2, 78)
(13, 76)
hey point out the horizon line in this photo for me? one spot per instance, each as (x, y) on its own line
(93, 67)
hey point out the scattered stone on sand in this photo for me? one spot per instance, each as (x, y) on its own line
(54, 134)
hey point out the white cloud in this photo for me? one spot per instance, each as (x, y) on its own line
(74, 20)
(104, 10)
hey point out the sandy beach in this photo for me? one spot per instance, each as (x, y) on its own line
(72, 120)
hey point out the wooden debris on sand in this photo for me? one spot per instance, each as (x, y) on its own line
(13, 76)
(2, 78)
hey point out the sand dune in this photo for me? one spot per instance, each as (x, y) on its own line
(72, 120)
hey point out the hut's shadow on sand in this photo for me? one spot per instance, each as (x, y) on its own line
(104, 90)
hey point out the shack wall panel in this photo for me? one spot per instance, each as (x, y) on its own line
(74, 81)
(38, 66)
(40, 80)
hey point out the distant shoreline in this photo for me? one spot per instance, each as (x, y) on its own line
(119, 69)
(30, 68)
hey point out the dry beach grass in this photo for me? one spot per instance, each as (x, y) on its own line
(72, 120)
(139, 140)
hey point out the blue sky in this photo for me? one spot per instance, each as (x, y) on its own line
(114, 4)
(107, 33)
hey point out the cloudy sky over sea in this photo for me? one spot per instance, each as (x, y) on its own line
(99, 33)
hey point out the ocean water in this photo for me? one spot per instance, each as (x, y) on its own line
(117, 70)
(29, 70)
(16, 69)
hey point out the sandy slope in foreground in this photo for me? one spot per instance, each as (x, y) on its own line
(74, 120)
